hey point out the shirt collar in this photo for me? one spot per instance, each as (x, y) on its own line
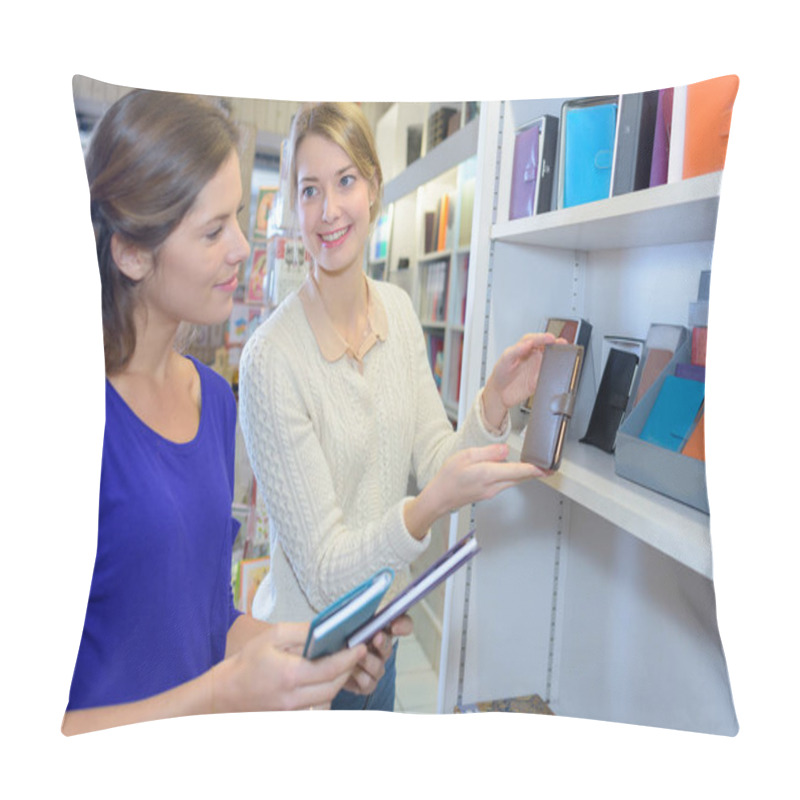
(330, 343)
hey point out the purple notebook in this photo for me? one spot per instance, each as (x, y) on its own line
(525, 168)
(660, 162)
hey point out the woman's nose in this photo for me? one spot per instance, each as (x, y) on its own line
(240, 248)
(330, 207)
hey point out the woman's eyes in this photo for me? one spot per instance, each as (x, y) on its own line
(346, 181)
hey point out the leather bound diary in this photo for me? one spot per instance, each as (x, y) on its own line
(633, 152)
(533, 171)
(612, 400)
(659, 165)
(552, 406)
(586, 152)
(525, 171)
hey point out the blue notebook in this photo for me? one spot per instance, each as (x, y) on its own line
(589, 135)
(674, 413)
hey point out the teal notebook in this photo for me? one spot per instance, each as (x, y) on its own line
(674, 412)
(588, 153)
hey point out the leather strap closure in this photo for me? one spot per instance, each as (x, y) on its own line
(563, 404)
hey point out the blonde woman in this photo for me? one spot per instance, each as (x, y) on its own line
(339, 408)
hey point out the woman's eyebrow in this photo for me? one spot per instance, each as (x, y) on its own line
(313, 178)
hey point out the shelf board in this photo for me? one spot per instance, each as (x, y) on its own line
(674, 213)
(587, 476)
(446, 155)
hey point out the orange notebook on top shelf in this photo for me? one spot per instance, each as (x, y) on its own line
(709, 106)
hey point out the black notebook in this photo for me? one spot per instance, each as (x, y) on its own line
(612, 400)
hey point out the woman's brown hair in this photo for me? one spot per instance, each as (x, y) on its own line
(149, 158)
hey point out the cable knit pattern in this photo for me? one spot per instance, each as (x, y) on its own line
(333, 448)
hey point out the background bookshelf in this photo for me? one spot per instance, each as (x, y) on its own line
(428, 156)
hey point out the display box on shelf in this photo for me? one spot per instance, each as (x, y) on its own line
(670, 473)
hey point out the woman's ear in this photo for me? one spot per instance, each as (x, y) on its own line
(131, 260)
(373, 191)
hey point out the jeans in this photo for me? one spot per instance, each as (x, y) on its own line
(382, 699)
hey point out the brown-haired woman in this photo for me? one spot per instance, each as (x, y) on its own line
(161, 637)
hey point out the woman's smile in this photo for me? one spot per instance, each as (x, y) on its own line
(334, 238)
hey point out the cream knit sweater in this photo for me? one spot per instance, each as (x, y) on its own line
(332, 450)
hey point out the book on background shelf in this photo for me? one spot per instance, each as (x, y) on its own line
(443, 222)
(433, 290)
(709, 107)
(264, 204)
(287, 266)
(439, 125)
(467, 201)
(413, 143)
(239, 324)
(251, 572)
(455, 367)
(524, 704)
(587, 133)
(257, 274)
(380, 237)
(430, 231)
(662, 134)
(533, 169)
(435, 343)
(633, 148)
(459, 308)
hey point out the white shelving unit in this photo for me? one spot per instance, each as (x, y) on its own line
(591, 591)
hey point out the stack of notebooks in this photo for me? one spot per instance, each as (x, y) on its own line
(676, 420)
(661, 443)
(610, 145)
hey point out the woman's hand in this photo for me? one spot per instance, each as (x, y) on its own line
(468, 476)
(514, 376)
(269, 673)
(364, 678)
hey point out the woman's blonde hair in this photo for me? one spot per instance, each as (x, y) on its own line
(345, 125)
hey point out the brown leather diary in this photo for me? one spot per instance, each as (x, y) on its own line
(552, 406)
